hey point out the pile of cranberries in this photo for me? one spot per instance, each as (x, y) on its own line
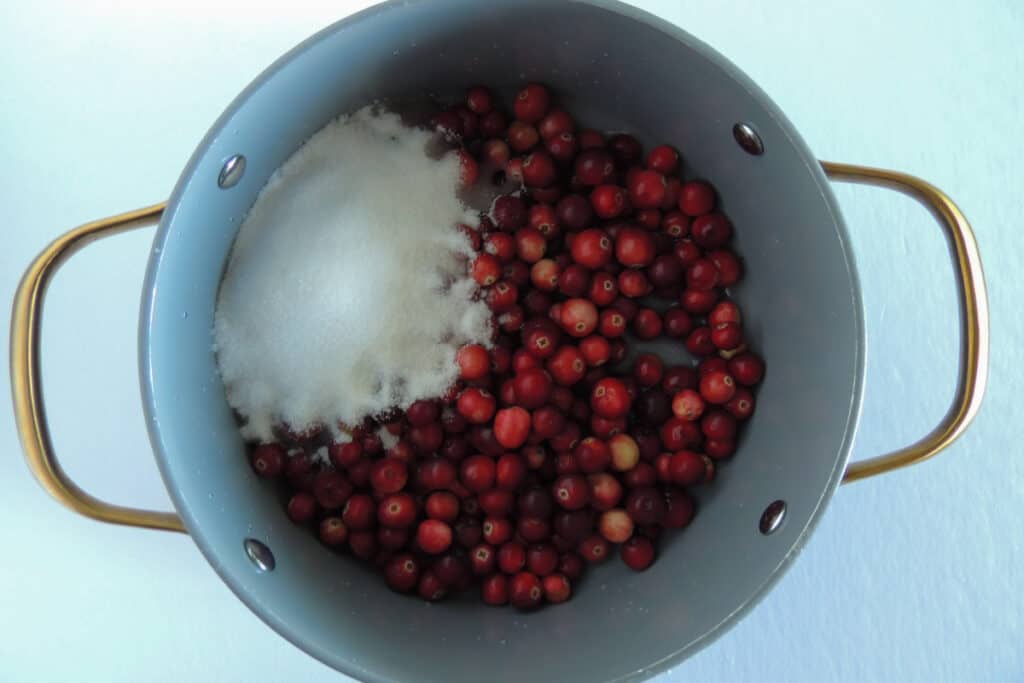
(549, 451)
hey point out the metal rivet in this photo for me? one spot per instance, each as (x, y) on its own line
(231, 172)
(259, 555)
(748, 138)
(771, 518)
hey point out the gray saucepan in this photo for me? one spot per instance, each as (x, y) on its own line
(617, 68)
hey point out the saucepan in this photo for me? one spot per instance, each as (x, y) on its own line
(618, 68)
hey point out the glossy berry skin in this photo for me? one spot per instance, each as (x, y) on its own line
(512, 426)
(525, 590)
(608, 201)
(610, 398)
(696, 198)
(531, 103)
(637, 553)
(592, 248)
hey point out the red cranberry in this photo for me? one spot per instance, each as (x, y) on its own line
(501, 296)
(542, 559)
(677, 225)
(696, 198)
(525, 590)
(433, 536)
(530, 247)
(547, 422)
(500, 245)
(615, 525)
(717, 387)
(594, 549)
(496, 503)
(634, 247)
(509, 213)
(741, 406)
(594, 167)
(647, 189)
(719, 425)
(591, 139)
(474, 362)
(640, 476)
(479, 100)
(531, 103)
(496, 153)
(647, 324)
(572, 492)
(556, 122)
(698, 342)
(663, 159)
(268, 460)
(680, 509)
(482, 559)
(595, 350)
(497, 531)
(605, 491)
(494, 590)
(719, 448)
(359, 511)
(512, 426)
(510, 472)
(665, 271)
(603, 289)
(579, 317)
(677, 434)
(713, 364)
(442, 505)
(608, 201)
(345, 454)
(430, 587)
(592, 249)
(511, 557)
(610, 398)
(730, 270)
(533, 529)
(493, 124)
(686, 468)
(592, 455)
(574, 212)
(477, 473)
(701, 275)
(333, 531)
(634, 284)
(476, 405)
(396, 511)
(522, 137)
(557, 588)
(567, 366)
(726, 335)
(638, 553)
(711, 231)
(747, 369)
(402, 572)
(562, 147)
(301, 507)
(539, 169)
(544, 275)
(573, 282)
(532, 389)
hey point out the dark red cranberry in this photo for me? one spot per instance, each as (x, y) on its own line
(574, 212)
(747, 368)
(625, 148)
(402, 572)
(397, 511)
(268, 460)
(638, 553)
(608, 201)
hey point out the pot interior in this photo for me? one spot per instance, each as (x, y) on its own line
(616, 68)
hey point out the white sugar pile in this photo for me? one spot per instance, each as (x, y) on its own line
(347, 293)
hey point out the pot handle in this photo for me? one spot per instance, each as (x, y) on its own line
(26, 376)
(974, 340)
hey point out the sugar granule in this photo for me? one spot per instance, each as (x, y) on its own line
(347, 292)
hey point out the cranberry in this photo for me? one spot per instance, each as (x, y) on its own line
(624, 451)
(726, 335)
(544, 275)
(663, 159)
(686, 468)
(474, 362)
(574, 211)
(525, 590)
(547, 422)
(389, 475)
(719, 448)
(676, 323)
(603, 289)
(711, 231)
(698, 342)
(594, 549)
(557, 588)
(696, 198)
(648, 369)
(605, 491)
(533, 529)
(511, 557)
(647, 189)
(609, 398)
(741, 406)
(592, 249)
(562, 147)
(578, 317)
(573, 282)
(535, 502)
(557, 122)
(591, 139)
(512, 426)
(567, 366)
(701, 275)
(592, 455)
(572, 491)
(268, 460)
(477, 473)
(495, 502)
(496, 153)
(493, 124)
(747, 369)
(542, 559)
(433, 536)
(647, 324)
(680, 509)
(531, 103)
(476, 405)
(532, 389)
(634, 284)
(665, 271)
(608, 201)
(567, 438)
(494, 590)
(333, 531)
(530, 247)
(713, 364)
(634, 247)
(625, 148)
(638, 553)
(301, 507)
(539, 169)
(594, 167)
(501, 296)
(676, 225)
(359, 511)
(402, 572)
(514, 167)
(479, 100)
(522, 137)
(497, 531)
(717, 387)
(730, 270)
(430, 587)
(345, 454)
(500, 245)
(719, 425)
(615, 525)
(677, 434)
(442, 505)
(396, 511)
(595, 350)
(509, 213)
(482, 559)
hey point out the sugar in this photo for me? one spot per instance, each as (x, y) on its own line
(347, 292)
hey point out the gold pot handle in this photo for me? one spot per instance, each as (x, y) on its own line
(26, 376)
(974, 343)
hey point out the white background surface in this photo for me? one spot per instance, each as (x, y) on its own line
(915, 576)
